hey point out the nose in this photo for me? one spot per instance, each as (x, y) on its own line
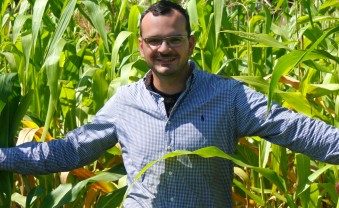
(164, 46)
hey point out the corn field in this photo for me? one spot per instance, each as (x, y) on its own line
(61, 60)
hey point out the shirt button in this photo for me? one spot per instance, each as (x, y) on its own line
(170, 173)
(169, 147)
(172, 199)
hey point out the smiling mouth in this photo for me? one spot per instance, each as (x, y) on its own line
(164, 58)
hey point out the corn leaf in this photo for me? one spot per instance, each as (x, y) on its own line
(299, 103)
(100, 89)
(310, 179)
(218, 14)
(265, 39)
(115, 51)
(209, 152)
(53, 74)
(113, 199)
(97, 18)
(290, 60)
(133, 19)
(9, 101)
(66, 16)
(7, 91)
(317, 90)
(256, 198)
(18, 24)
(303, 166)
(38, 12)
(66, 193)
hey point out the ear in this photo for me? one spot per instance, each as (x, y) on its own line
(141, 49)
(191, 44)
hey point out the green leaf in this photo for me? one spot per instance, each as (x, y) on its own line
(123, 5)
(299, 103)
(27, 45)
(256, 198)
(317, 90)
(314, 196)
(218, 15)
(11, 60)
(66, 193)
(100, 89)
(53, 74)
(33, 194)
(18, 24)
(209, 152)
(20, 112)
(306, 19)
(303, 166)
(264, 154)
(9, 101)
(4, 5)
(7, 91)
(97, 18)
(59, 196)
(265, 39)
(52, 69)
(327, 5)
(38, 12)
(133, 19)
(255, 81)
(67, 97)
(310, 179)
(115, 51)
(192, 11)
(114, 151)
(113, 199)
(290, 60)
(66, 16)
(254, 20)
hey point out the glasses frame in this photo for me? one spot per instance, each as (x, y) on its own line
(166, 39)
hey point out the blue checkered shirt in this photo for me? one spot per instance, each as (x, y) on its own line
(212, 111)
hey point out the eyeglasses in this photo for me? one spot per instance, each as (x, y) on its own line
(172, 41)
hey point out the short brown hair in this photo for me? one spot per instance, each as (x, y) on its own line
(165, 7)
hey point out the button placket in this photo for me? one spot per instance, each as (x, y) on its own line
(169, 136)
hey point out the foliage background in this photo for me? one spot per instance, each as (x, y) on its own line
(61, 60)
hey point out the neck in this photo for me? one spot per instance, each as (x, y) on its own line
(171, 85)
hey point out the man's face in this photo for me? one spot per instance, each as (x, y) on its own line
(170, 57)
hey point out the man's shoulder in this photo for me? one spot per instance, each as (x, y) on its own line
(215, 79)
(131, 91)
(133, 87)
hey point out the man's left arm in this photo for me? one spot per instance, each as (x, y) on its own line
(284, 127)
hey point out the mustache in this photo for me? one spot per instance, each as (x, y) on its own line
(161, 55)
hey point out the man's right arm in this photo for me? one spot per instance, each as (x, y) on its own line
(80, 147)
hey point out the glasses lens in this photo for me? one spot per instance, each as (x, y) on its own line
(153, 41)
(175, 41)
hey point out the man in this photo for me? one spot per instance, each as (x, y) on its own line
(176, 107)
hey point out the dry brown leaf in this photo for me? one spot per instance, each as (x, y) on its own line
(83, 174)
(26, 135)
(286, 80)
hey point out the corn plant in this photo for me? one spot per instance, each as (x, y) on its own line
(61, 60)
